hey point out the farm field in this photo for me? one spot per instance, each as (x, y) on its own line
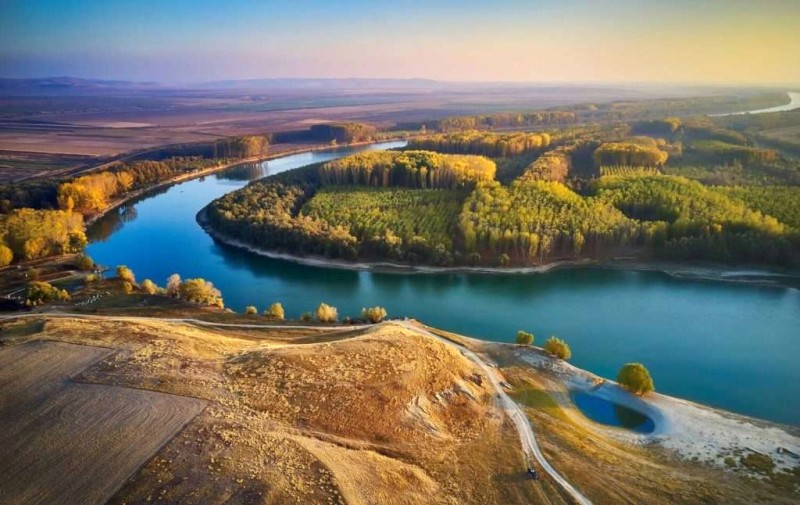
(105, 431)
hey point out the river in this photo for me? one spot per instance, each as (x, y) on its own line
(730, 345)
(794, 103)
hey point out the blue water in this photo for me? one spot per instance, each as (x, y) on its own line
(733, 346)
(606, 412)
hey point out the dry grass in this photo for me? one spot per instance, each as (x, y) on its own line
(383, 415)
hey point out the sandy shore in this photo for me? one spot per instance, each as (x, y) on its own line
(694, 431)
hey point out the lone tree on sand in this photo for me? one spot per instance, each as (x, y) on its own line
(635, 378)
(558, 348)
(524, 338)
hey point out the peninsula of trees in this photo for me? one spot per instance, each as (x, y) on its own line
(590, 193)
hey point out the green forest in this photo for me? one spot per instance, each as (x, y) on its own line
(675, 188)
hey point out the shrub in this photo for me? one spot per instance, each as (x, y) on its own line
(305, 316)
(524, 338)
(558, 348)
(200, 291)
(373, 314)
(6, 255)
(173, 285)
(635, 378)
(149, 287)
(92, 278)
(42, 292)
(84, 262)
(327, 313)
(125, 274)
(127, 287)
(275, 311)
(251, 310)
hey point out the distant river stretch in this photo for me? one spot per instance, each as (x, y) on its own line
(794, 103)
(731, 345)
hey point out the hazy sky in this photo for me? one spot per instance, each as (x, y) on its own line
(725, 41)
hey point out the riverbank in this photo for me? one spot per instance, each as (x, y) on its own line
(118, 202)
(762, 277)
(693, 431)
(794, 103)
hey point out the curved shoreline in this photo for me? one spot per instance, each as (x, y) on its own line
(177, 179)
(760, 277)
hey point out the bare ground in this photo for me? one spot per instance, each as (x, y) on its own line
(382, 415)
(67, 443)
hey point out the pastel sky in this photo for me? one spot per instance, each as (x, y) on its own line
(713, 41)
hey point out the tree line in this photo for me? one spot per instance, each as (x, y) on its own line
(411, 169)
(30, 234)
(494, 145)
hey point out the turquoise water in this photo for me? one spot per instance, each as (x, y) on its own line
(731, 345)
(606, 412)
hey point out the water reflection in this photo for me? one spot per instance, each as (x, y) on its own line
(245, 172)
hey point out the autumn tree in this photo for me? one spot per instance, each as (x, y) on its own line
(251, 310)
(6, 255)
(558, 348)
(275, 311)
(200, 291)
(373, 314)
(326, 313)
(635, 378)
(149, 287)
(524, 338)
(173, 285)
(125, 274)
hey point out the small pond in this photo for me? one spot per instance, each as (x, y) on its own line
(603, 411)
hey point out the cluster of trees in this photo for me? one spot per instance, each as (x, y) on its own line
(507, 120)
(412, 169)
(554, 165)
(396, 223)
(715, 151)
(197, 290)
(342, 133)
(534, 220)
(696, 222)
(40, 292)
(31, 194)
(495, 145)
(92, 193)
(265, 214)
(781, 202)
(30, 234)
(662, 127)
(635, 152)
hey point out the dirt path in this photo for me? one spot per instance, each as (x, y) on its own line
(526, 436)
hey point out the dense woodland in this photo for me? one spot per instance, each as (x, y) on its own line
(31, 234)
(484, 143)
(649, 179)
(593, 190)
(410, 169)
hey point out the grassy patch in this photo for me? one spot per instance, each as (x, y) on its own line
(758, 463)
